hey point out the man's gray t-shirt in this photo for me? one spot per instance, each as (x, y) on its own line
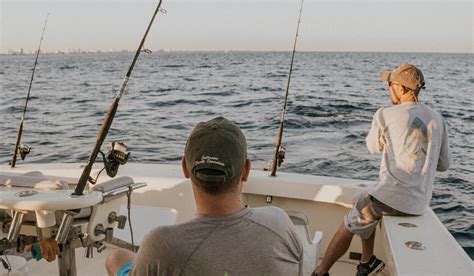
(254, 241)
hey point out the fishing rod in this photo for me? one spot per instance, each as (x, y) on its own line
(279, 149)
(109, 117)
(23, 149)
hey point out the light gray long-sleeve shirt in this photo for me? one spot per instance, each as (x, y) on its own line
(413, 139)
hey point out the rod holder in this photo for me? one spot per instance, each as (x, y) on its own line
(64, 227)
(15, 226)
(90, 252)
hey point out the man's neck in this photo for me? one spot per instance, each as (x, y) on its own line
(220, 205)
(408, 98)
(411, 100)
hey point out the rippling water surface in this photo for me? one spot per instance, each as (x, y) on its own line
(332, 99)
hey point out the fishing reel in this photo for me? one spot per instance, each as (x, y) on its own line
(24, 149)
(280, 155)
(116, 156)
(279, 158)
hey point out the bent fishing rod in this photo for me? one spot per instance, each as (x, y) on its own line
(26, 150)
(279, 149)
(109, 116)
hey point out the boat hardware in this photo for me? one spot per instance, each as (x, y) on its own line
(100, 247)
(109, 116)
(269, 199)
(26, 193)
(108, 232)
(24, 149)
(15, 226)
(279, 149)
(89, 252)
(64, 227)
(121, 220)
(407, 225)
(415, 245)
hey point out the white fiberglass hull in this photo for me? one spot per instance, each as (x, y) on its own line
(324, 200)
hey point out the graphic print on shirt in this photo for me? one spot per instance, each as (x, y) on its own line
(416, 145)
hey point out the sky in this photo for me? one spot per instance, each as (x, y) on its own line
(258, 25)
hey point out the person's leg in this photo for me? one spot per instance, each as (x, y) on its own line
(336, 248)
(361, 221)
(118, 259)
(367, 248)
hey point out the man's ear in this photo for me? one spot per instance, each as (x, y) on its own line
(185, 168)
(404, 90)
(246, 171)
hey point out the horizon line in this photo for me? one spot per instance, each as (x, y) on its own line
(99, 51)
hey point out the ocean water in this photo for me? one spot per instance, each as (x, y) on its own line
(332, 99)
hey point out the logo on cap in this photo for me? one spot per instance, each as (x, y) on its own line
(209, 160)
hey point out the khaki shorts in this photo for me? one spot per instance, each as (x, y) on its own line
(366, 214)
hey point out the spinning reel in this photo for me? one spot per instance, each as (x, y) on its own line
(281, 155)
(280, 158)
(117, 155)
(24, 149)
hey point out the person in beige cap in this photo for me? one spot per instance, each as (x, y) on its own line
(225, 237)
(413, 140)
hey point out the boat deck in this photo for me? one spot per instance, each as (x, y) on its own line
(96, 266)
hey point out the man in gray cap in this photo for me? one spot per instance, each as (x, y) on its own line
(413, 140)
(226, 237)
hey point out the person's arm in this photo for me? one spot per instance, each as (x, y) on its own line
(375, 140)
(445, 152)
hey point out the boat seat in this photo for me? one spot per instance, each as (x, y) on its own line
(33, 179)
(311, 245)
(144, 219)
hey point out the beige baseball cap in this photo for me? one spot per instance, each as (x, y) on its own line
(216, 151)
(405, 74)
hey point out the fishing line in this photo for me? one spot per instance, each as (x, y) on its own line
(279, 149)
(129, 206)
(20, 128)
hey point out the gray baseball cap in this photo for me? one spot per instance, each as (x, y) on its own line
(216, 151)
(405, 74)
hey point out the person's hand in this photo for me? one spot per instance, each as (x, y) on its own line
(49, 249)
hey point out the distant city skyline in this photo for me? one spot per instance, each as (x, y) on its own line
(259, 25)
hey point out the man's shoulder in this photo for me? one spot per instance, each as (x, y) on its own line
(167, 233)
(433, 111)
(401, 110)
(269, 212)
(270, 217)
